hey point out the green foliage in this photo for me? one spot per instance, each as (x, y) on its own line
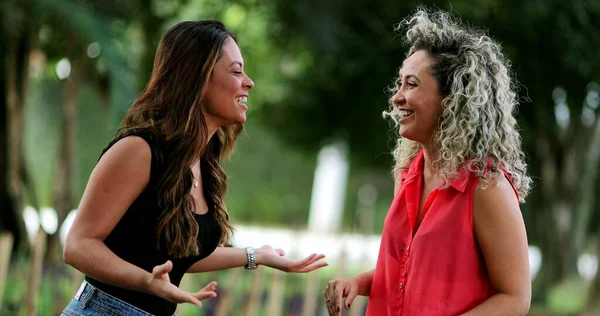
(71, 25)
(567, 297)
(42, 123)
(269, 183)
(56, 289)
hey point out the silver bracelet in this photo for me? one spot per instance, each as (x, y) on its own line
(251, 265)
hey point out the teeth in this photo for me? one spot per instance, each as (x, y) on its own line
(241, 99)
(405, 113)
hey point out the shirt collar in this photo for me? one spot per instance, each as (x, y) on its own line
(416, 169)
(461, 181)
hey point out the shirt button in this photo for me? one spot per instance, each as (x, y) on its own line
(407, 248)
(401, 285)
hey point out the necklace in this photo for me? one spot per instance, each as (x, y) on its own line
(195, 181)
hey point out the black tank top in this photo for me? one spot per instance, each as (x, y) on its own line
(134, 237)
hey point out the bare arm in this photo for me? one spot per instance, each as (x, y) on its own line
(364, 283)
(119, 177)
(226, 258)
(500, 231)
(221, 258)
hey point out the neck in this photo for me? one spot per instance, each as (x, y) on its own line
(429, 155)
(211, 131)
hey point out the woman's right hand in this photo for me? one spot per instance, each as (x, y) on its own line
(338, 289)
(160, 285)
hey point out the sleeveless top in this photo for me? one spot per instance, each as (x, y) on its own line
(439, 271)
(134, 239)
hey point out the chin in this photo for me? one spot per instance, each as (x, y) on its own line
(408, 135)
(241, 120)
(403, 133)
(238, 120)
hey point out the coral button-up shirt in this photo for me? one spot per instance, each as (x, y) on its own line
(439, 271)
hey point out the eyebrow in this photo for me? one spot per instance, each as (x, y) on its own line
(399, 79)
(238, 63)
(412, 76)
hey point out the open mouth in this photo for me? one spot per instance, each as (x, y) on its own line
(241, 100)
(405, 113)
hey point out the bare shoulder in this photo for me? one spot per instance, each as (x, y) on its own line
(495, 203)
(132, 147)
(502, 238)
(127, 161)
(497, 193)
(120, 176)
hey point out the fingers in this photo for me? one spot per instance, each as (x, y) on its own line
(311, 264)
(329, 304)
(207, 292)
(177, 295)
(352, 293)
(202, 295)
(194, 301)
(339, 295)
(311, 267)
(196, 298)
(210, 287)
(306, 261)
(163, 268)
(333, 293)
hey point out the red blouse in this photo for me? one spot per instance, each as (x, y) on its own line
(439, 271)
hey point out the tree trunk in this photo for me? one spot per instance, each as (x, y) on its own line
(151, 24)
(8, 210)
(594, 297)
(64, 188)
(16, 69)
(553, 252)
(36, 262)
(554, 217)
(587, 196)
(568, 187)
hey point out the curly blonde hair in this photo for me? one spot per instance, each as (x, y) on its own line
(477, 125)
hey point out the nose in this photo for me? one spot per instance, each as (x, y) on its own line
(248, 83)
(398, 98)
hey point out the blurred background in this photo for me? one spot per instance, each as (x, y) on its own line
(311, 172)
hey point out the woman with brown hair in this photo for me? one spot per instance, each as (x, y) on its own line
(154, 206)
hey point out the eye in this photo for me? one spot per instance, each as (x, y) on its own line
(412, 84)
(237, 72)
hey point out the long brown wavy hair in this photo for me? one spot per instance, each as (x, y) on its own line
(170, 107)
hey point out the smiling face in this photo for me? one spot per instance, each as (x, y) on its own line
(227, 89)
(418, 99)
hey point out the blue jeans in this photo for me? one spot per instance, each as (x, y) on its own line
(89, 301)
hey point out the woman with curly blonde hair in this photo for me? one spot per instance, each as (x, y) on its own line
(454, 240)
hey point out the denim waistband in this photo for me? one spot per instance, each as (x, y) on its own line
(90, 295)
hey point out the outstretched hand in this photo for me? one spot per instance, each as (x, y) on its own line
(161, 286)
(275, 258)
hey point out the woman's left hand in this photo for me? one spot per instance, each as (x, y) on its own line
(274, 258)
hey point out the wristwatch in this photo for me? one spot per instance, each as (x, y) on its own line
(251, 265)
